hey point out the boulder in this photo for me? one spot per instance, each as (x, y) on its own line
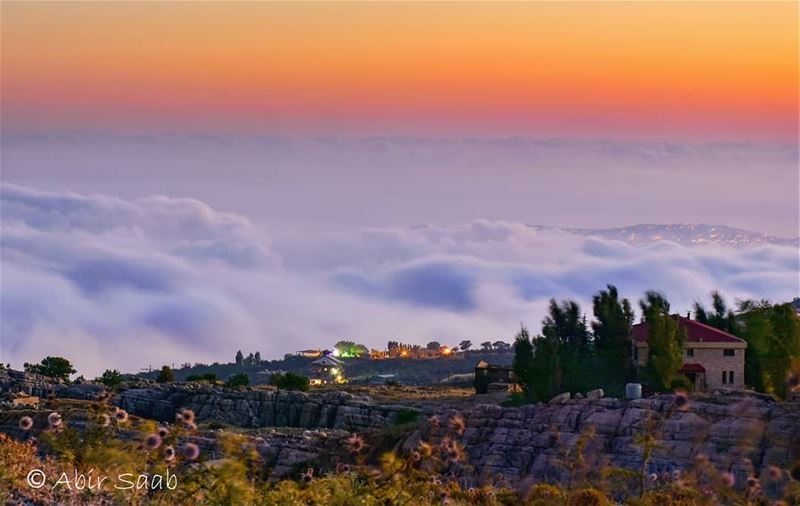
(595, 394)
(560, 398)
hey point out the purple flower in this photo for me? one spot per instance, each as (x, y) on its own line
(54, 420)
(191, 451)
(121, 416)
(152, 441)
(162, 432)
(26, 423)
(169, 453)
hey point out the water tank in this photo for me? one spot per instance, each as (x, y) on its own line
(633, 391)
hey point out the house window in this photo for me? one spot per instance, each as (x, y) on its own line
(636, 353)
(724, 377)
(690, 352)
(728, 353)
(730, 376)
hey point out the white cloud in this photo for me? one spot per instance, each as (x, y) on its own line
(121, 283)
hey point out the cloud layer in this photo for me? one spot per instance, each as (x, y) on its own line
(120, 283)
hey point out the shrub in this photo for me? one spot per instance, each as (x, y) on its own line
(405, 416)
(110, 378)
(166, 375)
(239, 380)
(53, 367)
(290, 381)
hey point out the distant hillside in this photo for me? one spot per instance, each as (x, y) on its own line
(688, 235)
(409, 371)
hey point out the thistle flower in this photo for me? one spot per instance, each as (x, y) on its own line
(121, 416)
(434, 421)
(681, 401)
(162, 432)
(728, 479)
(191, 451)
(458, 425)
(752, 482)
(676, 474)
(26, 423)
(653, 477)
(775, 473)
(187, 416)
(104, 420)
(308, 476)
(169, 453)
(425, 449)
(416, 456)
(152, 441)
(54, 420)
(355, 443)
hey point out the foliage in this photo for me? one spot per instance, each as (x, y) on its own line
(405, 416)
(772, 333)
(240, 380)
(665, 342)
(239, 357)
(465, 345)
(210, 377)
(433, 346)
(612, 331)
(53, 367)
(722, 318)
(523, 365)
(166, 375)
(110, 378)
(290, 381)
(349, 349)
(566, 334)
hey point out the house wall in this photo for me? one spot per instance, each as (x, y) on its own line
(713, 359)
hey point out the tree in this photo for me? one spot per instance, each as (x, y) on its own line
(257, 358)
(722, 317)
(433, 346)
(52, 367)
(251, 359)
(349, 349)
(486, 346)
(612, 331)
(772, 333)
(240, 380)
(523, 362)
(239, 358)
(110, 378)
(566, 332)
(165, 375)
(465, 345)
(665, 338)
(290, 381)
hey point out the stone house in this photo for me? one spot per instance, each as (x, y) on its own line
(712, 358)
(326, 370)
(490, 376)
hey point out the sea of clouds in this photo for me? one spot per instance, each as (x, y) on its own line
(121, 283)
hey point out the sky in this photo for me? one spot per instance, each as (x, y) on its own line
(202, 177)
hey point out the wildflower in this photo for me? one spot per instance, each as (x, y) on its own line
(162, 432)
(653, 477)
(121, 416)
(187, 416)
(425, 449)
(434, 421)
(728, 479)
(54, 420)
(308, 475)
(681, 401)
(458, 425)
(355, 443)
(169, 453)
(104, 420)
(191, 451)
(793, 381)
(752, 482)
(775, 473)
(152, 441)
(26, 423)
(676, 474)
(416, 456)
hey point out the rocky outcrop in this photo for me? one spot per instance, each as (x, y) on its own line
(14, 382)
(740, 433)
(260, 408)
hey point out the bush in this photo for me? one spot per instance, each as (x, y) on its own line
(110, 378)
(53, 367)
(290, 381)
(405, 416)
(166, 375)
(210, 377)
(681, 382)
(240, 380)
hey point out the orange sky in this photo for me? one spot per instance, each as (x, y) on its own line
(712, 70)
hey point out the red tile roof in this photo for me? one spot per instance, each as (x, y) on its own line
(696, 332)
(692, 368)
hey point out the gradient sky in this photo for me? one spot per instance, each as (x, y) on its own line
(669, 70)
